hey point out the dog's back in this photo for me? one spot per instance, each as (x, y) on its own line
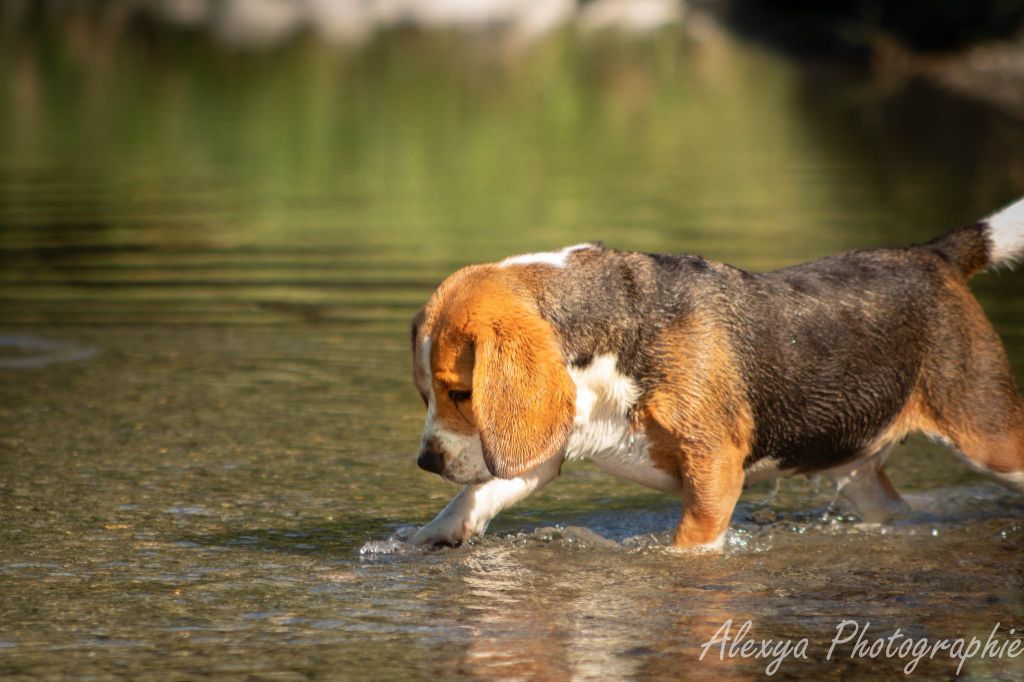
(831, 351)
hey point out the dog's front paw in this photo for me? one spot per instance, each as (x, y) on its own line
(450, 532)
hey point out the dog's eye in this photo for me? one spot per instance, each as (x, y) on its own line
(459, 396)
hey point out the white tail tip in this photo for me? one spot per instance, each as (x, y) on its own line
(1006, 232)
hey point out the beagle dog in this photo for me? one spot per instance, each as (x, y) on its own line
(693, 377)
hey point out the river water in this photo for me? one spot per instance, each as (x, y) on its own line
(208, 264)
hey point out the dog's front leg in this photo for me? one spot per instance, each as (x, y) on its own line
(712, 484)
(472, 509)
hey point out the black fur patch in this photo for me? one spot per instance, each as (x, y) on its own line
(829, 351)
(967, 249)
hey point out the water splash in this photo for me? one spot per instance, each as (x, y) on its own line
(395, 544)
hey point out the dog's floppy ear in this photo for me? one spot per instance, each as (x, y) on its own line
(523, 397)
(414, 332)
(417, 322)
(417, 361)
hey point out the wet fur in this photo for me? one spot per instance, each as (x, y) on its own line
(806, 369)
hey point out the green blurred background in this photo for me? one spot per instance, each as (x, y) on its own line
(155, 132)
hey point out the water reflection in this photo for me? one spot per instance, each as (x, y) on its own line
(591, 620)
(29, 352)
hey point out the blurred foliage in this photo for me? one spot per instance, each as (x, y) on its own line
(435, 139)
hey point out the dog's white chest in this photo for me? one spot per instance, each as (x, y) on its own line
(601, 430)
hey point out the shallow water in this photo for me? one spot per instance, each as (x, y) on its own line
(208, 262)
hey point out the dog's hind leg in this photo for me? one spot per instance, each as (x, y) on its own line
(972, 405)
(967, 395)
(967, 387)
(999, 456)
(866, 485)
(989, 437)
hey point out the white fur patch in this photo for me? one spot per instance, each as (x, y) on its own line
(472, 509)
(1006, 230)
(858, 481)
(858, 469)
(555, 258)
(764, 469)
(601, 429)
(1014, 480)
(465, 457)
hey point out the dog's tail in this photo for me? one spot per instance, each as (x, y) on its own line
(996, 240)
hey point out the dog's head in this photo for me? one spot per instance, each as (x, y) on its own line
(489, 369)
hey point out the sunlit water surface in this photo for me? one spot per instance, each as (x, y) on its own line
(208, 263)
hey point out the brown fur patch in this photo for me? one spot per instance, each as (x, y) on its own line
(967, 391)
(967, 249)
(452, 362)
(910, 419)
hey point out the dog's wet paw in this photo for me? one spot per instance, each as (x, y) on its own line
(445, 532)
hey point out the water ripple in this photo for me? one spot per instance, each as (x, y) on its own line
(32, 352)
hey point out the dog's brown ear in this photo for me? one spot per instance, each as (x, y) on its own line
(414, 331)
(523, 397)
(417, 322)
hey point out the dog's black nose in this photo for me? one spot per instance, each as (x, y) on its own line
(431, 460)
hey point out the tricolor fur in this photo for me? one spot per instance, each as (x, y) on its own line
(693, 377)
